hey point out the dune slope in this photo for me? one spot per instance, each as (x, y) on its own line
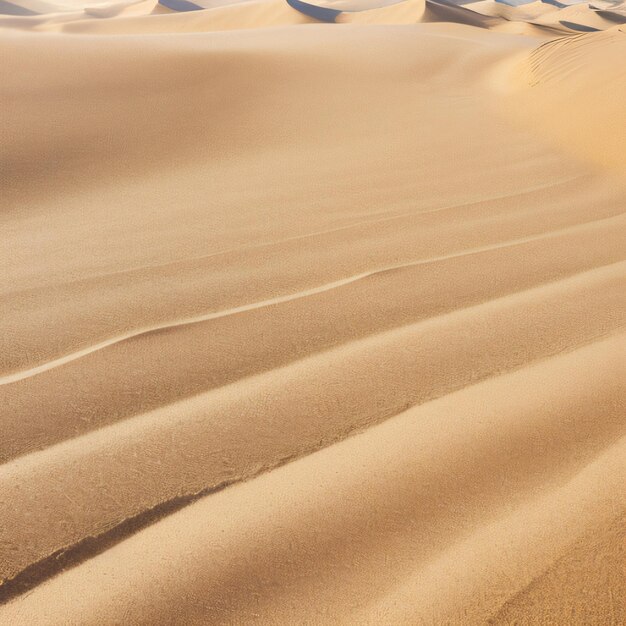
(311, 323)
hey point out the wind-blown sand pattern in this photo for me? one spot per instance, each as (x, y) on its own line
(312, 323)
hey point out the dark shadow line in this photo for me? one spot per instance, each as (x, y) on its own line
(180, 5)
(578, 27)
(448, 11)
(323, 14)
(89, 547)
(8, 8)
(612, 16)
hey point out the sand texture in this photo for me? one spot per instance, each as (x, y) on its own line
(312, 317)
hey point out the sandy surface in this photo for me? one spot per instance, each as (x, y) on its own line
(312, 323)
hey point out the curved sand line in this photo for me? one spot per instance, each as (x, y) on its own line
(101, 385)
(339, 229)
(17, 376)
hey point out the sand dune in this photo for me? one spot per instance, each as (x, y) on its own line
(368, 492)
(309, 323)
(560, 73)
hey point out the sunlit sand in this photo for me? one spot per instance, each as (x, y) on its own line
(312, 313)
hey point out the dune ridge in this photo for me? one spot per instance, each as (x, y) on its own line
(287, 298)
(570, 362)
(312, 323)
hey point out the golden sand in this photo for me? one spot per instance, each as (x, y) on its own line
(312, 323)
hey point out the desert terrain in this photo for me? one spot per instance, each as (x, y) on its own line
(312, 312)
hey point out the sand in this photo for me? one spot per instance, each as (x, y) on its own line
(312, 323)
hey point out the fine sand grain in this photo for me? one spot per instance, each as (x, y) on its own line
(312, 323)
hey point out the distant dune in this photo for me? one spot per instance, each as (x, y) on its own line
(312, 313)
